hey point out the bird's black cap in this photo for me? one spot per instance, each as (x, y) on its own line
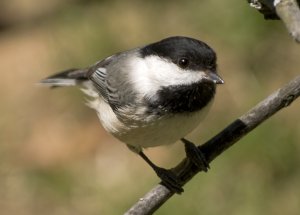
(194, 54)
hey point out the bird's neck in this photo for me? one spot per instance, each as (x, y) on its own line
(183, 98)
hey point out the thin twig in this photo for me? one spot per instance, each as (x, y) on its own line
(286, 10)
(289, 13)
(218, 144)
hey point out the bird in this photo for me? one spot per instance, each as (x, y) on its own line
(151, 95)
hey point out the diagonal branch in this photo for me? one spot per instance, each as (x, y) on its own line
(281, 98)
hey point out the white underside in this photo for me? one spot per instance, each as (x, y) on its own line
(147, 133)
(163, 131)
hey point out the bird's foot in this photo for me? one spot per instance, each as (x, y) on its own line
(195, 155)
(169, 179)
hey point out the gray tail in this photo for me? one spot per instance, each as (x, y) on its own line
(70, 77)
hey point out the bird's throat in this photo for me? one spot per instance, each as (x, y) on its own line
(183, 98)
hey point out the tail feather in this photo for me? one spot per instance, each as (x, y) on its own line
(70, 77)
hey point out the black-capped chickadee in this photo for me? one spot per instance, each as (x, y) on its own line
(152, 95)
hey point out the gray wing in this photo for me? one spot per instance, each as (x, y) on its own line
(110, 79)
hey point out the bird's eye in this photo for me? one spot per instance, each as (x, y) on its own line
(183, 62)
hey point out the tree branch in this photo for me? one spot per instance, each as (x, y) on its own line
(185, 170)
(286, 10)
(289, 13)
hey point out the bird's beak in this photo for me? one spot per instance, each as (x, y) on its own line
(215, 77)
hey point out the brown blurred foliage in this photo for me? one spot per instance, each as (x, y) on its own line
(57, 159)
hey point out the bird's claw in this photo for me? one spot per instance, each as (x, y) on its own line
(195, 155)
(169, 179)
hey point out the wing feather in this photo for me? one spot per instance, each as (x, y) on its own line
(110, 78)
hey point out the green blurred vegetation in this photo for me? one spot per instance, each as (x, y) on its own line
(55, 157)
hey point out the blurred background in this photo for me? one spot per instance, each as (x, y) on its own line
(55, 158)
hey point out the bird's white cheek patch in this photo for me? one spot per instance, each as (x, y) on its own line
(151, 73)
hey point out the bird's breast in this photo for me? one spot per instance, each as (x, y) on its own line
(164, 130)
